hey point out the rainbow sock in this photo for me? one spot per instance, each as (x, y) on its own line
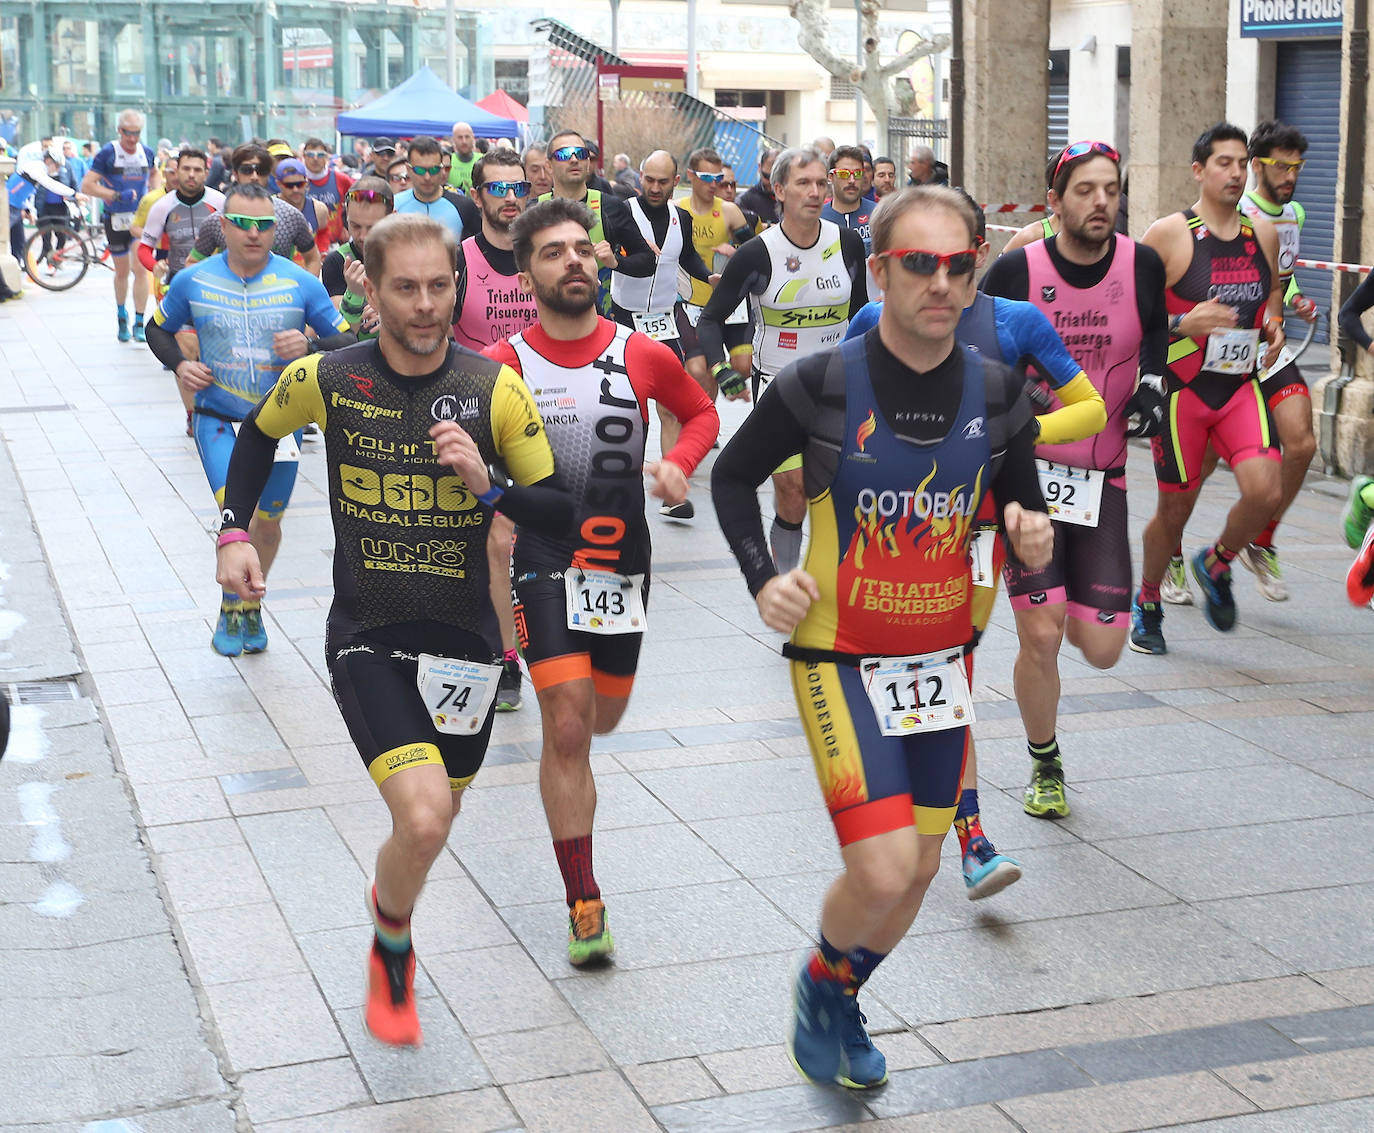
(393, 935)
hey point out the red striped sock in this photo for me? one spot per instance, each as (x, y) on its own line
(575, 864)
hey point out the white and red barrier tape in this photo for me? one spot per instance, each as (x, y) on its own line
(1014, 208)
(1319, 265)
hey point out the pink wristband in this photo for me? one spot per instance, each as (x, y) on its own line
(234, 535)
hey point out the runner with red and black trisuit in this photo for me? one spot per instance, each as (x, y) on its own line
(1104, 293)
(580, 600)
(492, 307)
(1224, 296)
(329, 186)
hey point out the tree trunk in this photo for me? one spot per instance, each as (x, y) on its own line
(874, 78)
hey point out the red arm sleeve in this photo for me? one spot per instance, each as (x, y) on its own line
(655, 372)
(146, 256)
(503, 351)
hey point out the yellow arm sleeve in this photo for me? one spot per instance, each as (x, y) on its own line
(295, 400)
(518, 430)
(1082, 414)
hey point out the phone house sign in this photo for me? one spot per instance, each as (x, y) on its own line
(1285, 19)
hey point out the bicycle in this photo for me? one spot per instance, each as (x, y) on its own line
(72, 247)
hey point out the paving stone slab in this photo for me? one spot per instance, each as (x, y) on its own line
(446, 1062)
(1310, 929)
(545, 1052)
(302, 1089)
(1330, 1117)
(1180, 1052)
(972, 1083)
(1245, 860)
(1054, 963)
(1128, 1106)
(273, 1022)
(660, 927)
(628, 860)
(475, 1111)
(583, 1103)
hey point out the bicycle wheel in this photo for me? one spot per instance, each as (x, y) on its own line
(61, 268)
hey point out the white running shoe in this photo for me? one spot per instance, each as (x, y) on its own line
(1173, 587)
(1263, 563)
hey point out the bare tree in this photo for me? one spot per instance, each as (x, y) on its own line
(874, 78)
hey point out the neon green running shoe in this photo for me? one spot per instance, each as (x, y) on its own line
(589, 933)
(1044, 795)
(1355, 519)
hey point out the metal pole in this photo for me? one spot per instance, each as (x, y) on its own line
(859, 59)
(451, 43)
(956, 95)
(692, 47)
(615, 28)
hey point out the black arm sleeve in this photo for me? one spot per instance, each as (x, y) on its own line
(332, 274)
(468, 213)
(690, 258)
(545, 506)
(1154, 317)
(634, 256)
(334, 341)
(164, 346)
(852, 249)
(747, 273)
(1017, 478)
(1008, 277)
(250, 465)
(769, 435)
(1352, 309)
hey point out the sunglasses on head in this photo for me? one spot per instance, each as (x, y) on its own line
(847, 174)
(571, 153)
(1282, 166)
(317, 153)
(250, 223)
(247, 170)
(426, 170)
(368, 195)
(928, 263)
(292, 184)
(502, 188)
(709, 178)
(1080, 149)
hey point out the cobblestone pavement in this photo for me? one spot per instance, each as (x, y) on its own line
(185, 839)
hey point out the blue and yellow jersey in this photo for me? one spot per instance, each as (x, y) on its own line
(235, 320)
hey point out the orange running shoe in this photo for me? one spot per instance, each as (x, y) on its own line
(589, 933)
(390, 1013)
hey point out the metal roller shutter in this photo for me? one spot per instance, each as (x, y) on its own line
(1307, 95)
(1059, 102)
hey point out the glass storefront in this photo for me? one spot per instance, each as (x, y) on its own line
(265, 68)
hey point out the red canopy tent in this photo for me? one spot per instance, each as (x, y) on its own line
(503, 106)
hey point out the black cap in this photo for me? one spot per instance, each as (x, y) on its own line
(593, 148)
(383, 144)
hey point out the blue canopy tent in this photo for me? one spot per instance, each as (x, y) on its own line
(423, 104)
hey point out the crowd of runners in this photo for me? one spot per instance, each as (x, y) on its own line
(475, 337)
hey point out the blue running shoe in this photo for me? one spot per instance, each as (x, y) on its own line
(1147, 626)
(862, 1065)
(123, 335)
(820, 1023)
(228, 639)
(254, 632)
(139, 336)
(986, 871)
(1218, 607)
